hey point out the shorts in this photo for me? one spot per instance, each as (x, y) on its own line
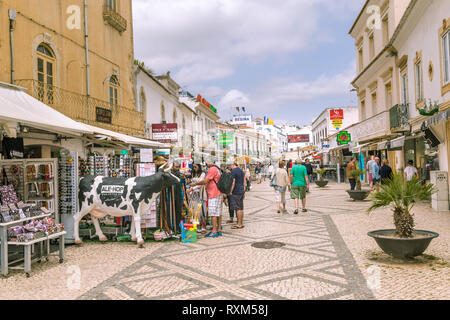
(236, 202)
(370, 177)
(215, 206)
(298, 192)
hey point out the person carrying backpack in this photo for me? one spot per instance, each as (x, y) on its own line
(217, 183)
(237, 194)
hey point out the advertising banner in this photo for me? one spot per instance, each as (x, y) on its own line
(165, 133)
(298, 138)
(337, 114)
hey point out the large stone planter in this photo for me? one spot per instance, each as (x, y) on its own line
(403, 248)
(358, 195)
(321, 183)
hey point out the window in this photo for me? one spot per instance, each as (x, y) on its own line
(388, 89)
(446, 51)
(360, 58)
(45, 73)
(405, 88)
(113, 90)
(385, 29)
(371, 46)
(419, 81)
(174, 116)
(163, 112)
(112, 4)
(142, 101)
(363, 110)
(374, 104)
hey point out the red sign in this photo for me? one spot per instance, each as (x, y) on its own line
(206, 103)
(165, 133)
(336, 114)
(298, 138)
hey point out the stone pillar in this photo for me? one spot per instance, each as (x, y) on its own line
(439, 200)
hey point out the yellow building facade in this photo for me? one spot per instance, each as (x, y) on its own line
(74, 55)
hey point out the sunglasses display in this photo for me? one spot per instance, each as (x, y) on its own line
(68, 179)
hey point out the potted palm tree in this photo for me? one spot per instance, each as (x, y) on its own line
(358, 194)
(401, 195)
(321, 182)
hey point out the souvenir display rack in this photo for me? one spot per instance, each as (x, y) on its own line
(68, 190)
(36, 182)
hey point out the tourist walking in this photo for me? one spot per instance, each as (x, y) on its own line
(299, 183)
(309, 170)
(230, 211)
(270, 171)
(385, 171)
(282, 182)
(214, 198)
(369, 169)
(351, 178)
(247, 179)
(197, 195)
(237, 195)
(411, 171)
(375, 169)
(258, 172)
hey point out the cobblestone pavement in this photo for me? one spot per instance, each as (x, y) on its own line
(327, 255)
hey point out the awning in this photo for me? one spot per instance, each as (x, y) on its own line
(360, 148)
(435, 120)
(382, 145)
(345, 146)
(18, 106)
(130, 140)
(397, 143)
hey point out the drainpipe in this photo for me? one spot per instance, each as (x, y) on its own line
(86, 45)
(12, 19)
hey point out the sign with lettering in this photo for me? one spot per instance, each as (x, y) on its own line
(112, 189)
(343, 138)
(298, 138)
(337, 114)
(165, 133)
(206, 103)
(103, 115)
(225, 139)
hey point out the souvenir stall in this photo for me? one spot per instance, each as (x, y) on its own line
(29, 188)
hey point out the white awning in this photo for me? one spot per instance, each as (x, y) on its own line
(398, 143)
(382, 145)
(125, 138)
(360, 148)
(18, 106)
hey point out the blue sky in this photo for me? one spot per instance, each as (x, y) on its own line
(286, 59)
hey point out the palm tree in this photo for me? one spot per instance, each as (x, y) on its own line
(320, 173)
(356, 173)
(401, 195)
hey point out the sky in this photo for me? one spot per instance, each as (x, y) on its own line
(284, 59)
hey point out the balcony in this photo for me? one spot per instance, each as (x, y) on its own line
(114, 19)
(399, 115)
(374, 127)
(86, 109)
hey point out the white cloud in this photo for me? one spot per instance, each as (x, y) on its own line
(205, 39)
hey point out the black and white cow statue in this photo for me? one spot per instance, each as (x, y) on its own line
(119, 197)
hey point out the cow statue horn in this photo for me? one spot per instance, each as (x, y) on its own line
(169, 168)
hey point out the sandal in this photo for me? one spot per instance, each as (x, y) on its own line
(296, 211)
(230, 221)
(237, 227)
(278, 211)
(304, 210)
(212, 235)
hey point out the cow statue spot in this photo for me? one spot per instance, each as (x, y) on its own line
(120, 197)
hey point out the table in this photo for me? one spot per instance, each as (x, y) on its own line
(4, 243)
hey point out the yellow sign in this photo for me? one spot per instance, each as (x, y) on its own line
(270, 121)
(336, 121)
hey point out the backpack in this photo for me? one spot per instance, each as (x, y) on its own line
(225, 182)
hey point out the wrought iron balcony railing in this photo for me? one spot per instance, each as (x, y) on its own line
(399, 116)
(114, 19)
(86, 109)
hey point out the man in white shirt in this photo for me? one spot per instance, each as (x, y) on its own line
(369, 169)
(411, 171)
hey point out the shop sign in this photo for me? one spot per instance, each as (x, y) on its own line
(112, 190)
(206, 103)
(163, 152)
(124, 152)
(165, 133)
(103, 115)
(344, 138)
(336, 114)
(146, 155)
(226, 139)
(298, 138)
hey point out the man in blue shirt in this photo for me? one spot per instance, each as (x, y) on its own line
(375, 169)
(236, 198)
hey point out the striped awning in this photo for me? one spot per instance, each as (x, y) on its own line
(435, 120)
(397, 143)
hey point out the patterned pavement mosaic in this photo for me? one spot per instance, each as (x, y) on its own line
(314, 263)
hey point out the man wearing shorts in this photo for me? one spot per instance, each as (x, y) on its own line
(369, 169)
(299, 184)
(214, 199)
(237, 194)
